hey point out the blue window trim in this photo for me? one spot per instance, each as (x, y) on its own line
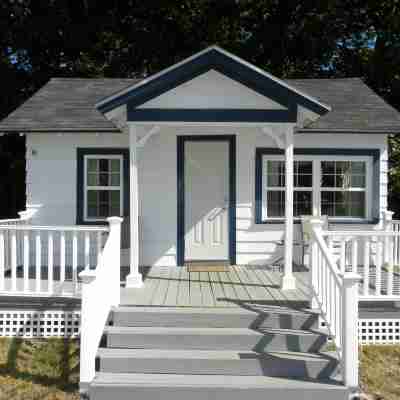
(80, 155)
(181, 140)
(374, 153)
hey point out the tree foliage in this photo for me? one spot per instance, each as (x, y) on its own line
(40, 39)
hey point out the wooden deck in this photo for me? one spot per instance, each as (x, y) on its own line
(175, 286)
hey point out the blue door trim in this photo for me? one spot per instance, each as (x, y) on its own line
(231, 139)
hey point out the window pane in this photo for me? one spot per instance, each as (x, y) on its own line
(114, 179)
(343, 174)
(276, 203)
(275, 173)
(92, 165)
(103, 179)
(92, 179)
(115, 165)
(343, 204)
(302, 203)
(303, 173)
(103, 165)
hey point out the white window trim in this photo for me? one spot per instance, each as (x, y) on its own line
(119, 188)
(316, 188)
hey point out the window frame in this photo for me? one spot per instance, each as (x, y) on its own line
(87, 187)
(369, 156)
(83, 154)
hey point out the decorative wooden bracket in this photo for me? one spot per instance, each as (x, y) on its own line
(275, 137)
(153, 131)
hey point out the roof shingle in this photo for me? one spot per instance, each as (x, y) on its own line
(68, 104)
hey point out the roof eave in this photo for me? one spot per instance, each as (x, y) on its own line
(58, 130)
(391, 130)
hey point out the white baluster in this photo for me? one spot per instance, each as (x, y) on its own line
(2, 260)
(50, 262)
(87, 251)
(26, 261)
(367, 249)
(62, 259)
(378, 266)
(390, 265)
(354, 255)
(13, 260)
(75, 261)
(99, 237)
(38, 268)
(342, 255)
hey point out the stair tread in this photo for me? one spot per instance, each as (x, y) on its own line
(208, 381)
(204, 331)
(208, 354)
(252, 310)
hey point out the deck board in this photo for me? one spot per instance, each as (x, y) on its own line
(175, 286)
(206, 292)
(160, 293)
(184, 292)
(195, 290)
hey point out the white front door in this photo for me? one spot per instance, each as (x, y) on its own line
(206, 200)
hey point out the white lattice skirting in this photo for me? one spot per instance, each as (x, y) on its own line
(379, 331)
(40, 324)
(61, 323)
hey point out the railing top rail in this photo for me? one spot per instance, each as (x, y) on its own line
(330, 261)
(360, 233)
(72, 228)
(11, 220)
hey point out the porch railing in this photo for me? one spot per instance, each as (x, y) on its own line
(96, 306)
(335, 294)
(375, 256)
(46, 260)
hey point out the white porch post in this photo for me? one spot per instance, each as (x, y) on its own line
(134, 279)
(288, 280)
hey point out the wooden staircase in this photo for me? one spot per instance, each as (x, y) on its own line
(198, 353)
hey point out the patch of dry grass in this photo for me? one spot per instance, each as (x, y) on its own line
(48, 369)
(43, 369)
(380, 371)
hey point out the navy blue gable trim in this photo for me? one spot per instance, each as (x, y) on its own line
(374, 153)
(211, 115)
(181, 193)
(222, 63)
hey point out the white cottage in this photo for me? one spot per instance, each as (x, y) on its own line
(221, 173)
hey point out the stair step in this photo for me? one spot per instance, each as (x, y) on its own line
(199, 387)
(226, 362)
(253, 316)
(214, 338)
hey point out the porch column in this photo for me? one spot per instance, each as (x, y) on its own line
(134, 279)
(288, 280)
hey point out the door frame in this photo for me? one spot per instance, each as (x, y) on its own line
(181, 140)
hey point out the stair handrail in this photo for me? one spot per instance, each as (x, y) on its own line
(100, 292)
(335, 294)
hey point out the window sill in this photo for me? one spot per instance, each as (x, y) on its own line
(332, 222)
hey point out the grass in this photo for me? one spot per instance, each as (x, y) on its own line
(48, 369)
(43, 369)
(380, 371)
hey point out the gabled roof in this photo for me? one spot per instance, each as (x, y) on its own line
(69, 105)
(212, 58)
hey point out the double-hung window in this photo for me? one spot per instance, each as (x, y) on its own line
(101, 191)
(333, 185)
